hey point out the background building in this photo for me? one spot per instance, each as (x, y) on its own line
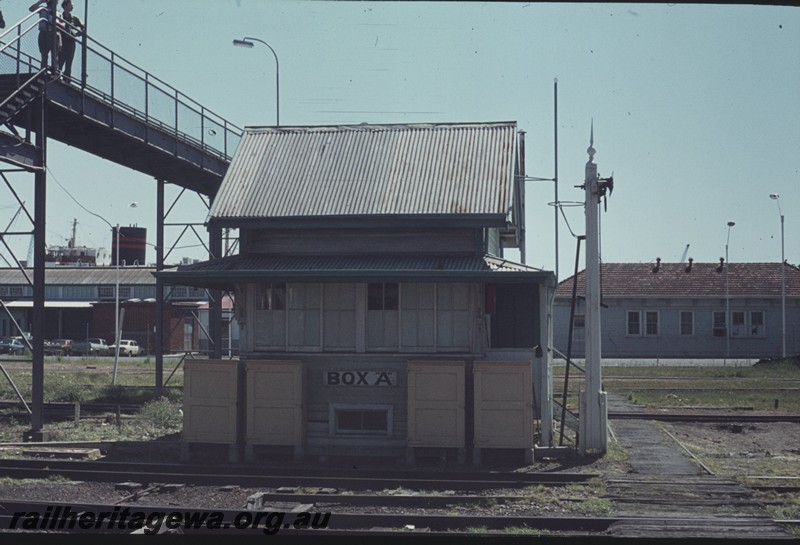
(80, 303)
(677, 310)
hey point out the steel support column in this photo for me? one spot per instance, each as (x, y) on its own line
(36, 433)
(215, 298)
(159, 285)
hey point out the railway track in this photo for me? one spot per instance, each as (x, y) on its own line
(66, 410)
(321, 523)
(258, 476)
(248, 521)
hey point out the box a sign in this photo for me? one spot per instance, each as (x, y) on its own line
(359, 378)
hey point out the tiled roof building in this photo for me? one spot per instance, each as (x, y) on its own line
(678, 310)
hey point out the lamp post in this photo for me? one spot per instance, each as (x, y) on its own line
(116, 309)
(248, 42)
(777, 198)
(727, 298)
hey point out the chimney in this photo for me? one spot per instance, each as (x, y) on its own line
(689, 266)
(721, 264)
(658, 265)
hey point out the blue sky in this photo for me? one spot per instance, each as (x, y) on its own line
(695, 107)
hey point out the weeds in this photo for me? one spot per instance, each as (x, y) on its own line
(161, 415)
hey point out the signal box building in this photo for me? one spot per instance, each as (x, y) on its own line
(378, 315)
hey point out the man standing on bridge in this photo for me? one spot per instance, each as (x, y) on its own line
(46, 29)
(71, 27)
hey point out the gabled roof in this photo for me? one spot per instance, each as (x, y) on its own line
(366, 171)
(680, 280)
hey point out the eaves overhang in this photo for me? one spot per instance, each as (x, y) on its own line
(479, 221)
(226, 273)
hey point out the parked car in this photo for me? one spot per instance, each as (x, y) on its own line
(58, 347)
(94, 346)
(126, 348)
(13, 345)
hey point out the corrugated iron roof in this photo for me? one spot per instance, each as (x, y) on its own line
(83, 276)
(679, 280)
(369, 170)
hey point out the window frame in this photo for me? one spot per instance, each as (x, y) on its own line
(763, 324)
(629, 323)
(681, 314)
(333, 419)
(646, 315)
(717, 325)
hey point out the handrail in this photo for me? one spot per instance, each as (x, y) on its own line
(21, 88)
(145, 96)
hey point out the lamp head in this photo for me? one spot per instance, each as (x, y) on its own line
(731, 224)
(774, 196)
(243, 43)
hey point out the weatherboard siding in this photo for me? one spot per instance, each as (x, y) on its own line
(363, 241)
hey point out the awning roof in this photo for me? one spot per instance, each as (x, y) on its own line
(226, 272)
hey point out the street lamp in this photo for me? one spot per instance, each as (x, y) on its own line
(248, 42)
(777, 198)
(727, 298)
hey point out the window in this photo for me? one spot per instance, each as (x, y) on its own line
(382, 296)
(125, 292)
(105, 291)
(719, 323)
(757, 324)
(747, 324)
(271, 296)
(360, 419)
(180, 291)
(579, 322)
(634, 322)
(270, 315)
(651, 323)
(687, 323)
(382, 316)
(738, 324)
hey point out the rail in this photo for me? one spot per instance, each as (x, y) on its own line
(121, 84)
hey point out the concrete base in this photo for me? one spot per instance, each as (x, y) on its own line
(461, 455)
(298, 452)
(35, 436)
(477, 455)
(186, 452)
(553, 453)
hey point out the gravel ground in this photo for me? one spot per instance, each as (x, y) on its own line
(732, 450)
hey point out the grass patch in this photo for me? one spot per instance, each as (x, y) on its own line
(477, 530)
(52, 479)
(717, 387)
(161, 415)
(525, 530)
(596, 507)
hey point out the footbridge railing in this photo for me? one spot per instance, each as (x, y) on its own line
(109, 77)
